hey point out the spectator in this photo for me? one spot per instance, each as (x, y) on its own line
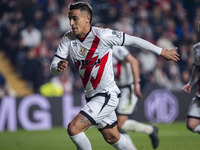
(180, 14)
(31, 36)
(63, 20)
(184, 53)
(33, 71)
(12, 43)
(147, 61)
(174, 77)
(171, 30)
(157, 20)
(112, 16)
(5, 88)
(161, 75)
(165, 41)
(185, 32)
(124, 24)
(5, 24)
(38, 18)
(152, 83)
(143, 29)
(52, 6)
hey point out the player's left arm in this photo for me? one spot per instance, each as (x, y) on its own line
(193, 79)
(136, 74)
(143, 44)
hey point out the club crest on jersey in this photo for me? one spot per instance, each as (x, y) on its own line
(82, 51)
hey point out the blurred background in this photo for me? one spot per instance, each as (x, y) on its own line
(31, 30)
(32, 99)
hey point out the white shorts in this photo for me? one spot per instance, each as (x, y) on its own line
(100, 110)
(194, 108)
(127, 101)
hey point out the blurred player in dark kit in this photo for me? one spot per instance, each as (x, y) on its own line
(193, 118)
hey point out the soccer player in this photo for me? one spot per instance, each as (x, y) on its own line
(90, 50)
(193, 118)
(126, 71)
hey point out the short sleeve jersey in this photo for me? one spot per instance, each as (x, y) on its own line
(92, 57)
(122, 68)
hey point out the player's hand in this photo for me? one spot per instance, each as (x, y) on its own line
(62, 65)
(187, 88)
(137, 90)
(170, 54)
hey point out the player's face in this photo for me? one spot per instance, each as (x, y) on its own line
(80, 22)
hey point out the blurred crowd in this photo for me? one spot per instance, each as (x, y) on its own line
(31, 30)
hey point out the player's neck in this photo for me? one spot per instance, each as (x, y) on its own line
(85, 33)
(83, 36)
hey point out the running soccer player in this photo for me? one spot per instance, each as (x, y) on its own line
(90, 50)
(126, 71)
(193, 118)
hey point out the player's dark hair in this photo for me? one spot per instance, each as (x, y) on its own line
(83, 6)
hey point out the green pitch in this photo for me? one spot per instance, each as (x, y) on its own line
(172, 137)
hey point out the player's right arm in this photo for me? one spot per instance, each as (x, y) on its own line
(136, 74)
(117, 38)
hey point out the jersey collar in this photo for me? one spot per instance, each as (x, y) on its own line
(82, 39)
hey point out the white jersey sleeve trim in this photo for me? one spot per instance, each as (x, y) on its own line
(140, 43)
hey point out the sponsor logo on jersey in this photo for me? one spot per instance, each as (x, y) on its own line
(88, 63)
(82, 51)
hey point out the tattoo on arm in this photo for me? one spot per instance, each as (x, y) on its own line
(84, 120)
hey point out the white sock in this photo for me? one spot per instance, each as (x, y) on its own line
(197, 129)
(132, 125)
(123, 144)
(81, 141)
(130, 140)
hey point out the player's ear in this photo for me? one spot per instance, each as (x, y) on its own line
(88, 18)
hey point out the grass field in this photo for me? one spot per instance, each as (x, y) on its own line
(172, 137)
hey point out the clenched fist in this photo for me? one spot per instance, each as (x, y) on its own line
(62, 65)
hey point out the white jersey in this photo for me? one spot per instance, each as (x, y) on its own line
(92, 57)
(122, 68)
